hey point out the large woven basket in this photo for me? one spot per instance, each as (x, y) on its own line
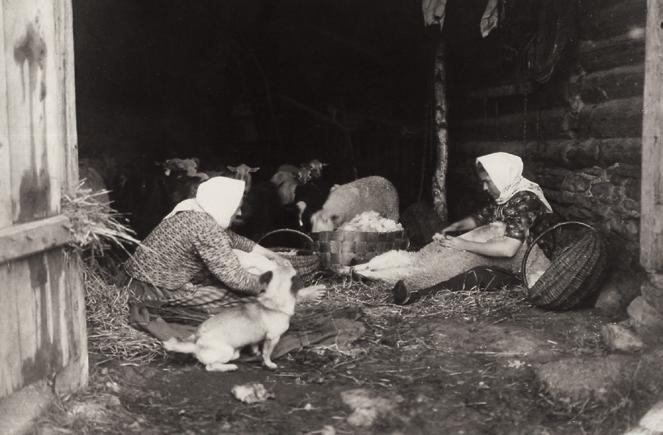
(345, 248)
(575, 271)
(299, 249)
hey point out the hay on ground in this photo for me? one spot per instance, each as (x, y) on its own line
(97, 229)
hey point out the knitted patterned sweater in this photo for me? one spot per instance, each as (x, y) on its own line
(187, 247)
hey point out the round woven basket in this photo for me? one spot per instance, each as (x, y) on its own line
(305, 260)
(575, 271)
(346, 248)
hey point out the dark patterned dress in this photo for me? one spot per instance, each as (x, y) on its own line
(518, 214)
(187, 260)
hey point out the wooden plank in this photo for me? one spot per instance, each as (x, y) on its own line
(10, 356)
(33, 108)
(5, 174)
(26, 239)
(75, 374)
(20, 279)
(71, 130)
(66, 77)
(43, 321)
(651, 221)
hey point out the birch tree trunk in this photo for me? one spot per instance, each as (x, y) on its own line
(440, 136)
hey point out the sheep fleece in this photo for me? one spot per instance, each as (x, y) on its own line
(365, 194)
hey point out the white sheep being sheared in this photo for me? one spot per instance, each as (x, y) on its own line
(435, 263)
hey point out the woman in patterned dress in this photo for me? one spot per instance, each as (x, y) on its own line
(517, 204)
(188, 259)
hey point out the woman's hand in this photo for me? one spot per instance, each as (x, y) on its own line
(271, 255)
(279, 259)
(452, 242)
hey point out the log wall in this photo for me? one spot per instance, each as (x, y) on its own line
(580, 134)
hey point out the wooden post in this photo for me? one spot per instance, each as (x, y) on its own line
(441, 133)
(646, 311)
(651, 221)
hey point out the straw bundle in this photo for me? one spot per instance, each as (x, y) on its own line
(94, 224)
(97, 229)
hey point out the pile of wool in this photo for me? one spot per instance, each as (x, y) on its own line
(371, 221)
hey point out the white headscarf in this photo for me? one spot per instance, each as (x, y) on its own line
(219, 197)
(506, 172)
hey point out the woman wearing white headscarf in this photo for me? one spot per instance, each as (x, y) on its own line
(502, 228)
(517, 203)
(188, 259)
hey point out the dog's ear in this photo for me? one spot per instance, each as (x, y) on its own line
(266, 277)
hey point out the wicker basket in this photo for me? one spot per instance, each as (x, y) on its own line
(305, 260)
(575, 271)
(346, 248)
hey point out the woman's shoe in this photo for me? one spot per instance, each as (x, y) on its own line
(401, 293)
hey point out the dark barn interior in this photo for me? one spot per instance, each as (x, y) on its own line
(262, 83)
(558, 83)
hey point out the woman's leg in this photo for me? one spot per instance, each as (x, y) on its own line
(205, 298)
(484, 278)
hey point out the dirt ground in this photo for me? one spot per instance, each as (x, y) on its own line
(458, 363)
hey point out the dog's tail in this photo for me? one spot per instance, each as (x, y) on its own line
(174, 345)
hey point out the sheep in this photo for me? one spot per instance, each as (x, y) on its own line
(243, 172)
(316, 167)
(373, 193)
(435, 263)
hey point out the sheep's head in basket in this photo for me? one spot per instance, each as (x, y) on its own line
(324, 221)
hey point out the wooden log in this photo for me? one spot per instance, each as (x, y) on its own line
(549, 124)
(626, 49)
(441, 134)
(651, 221)
(603, 20)
(616, 118)
(569, 153)
(473, 149)
(616, 83)
(597, 87)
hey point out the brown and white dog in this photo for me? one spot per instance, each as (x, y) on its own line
(220, 338)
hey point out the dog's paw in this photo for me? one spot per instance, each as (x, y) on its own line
(170, 344)
(271, 365)
(221, 367)
(314, 293)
